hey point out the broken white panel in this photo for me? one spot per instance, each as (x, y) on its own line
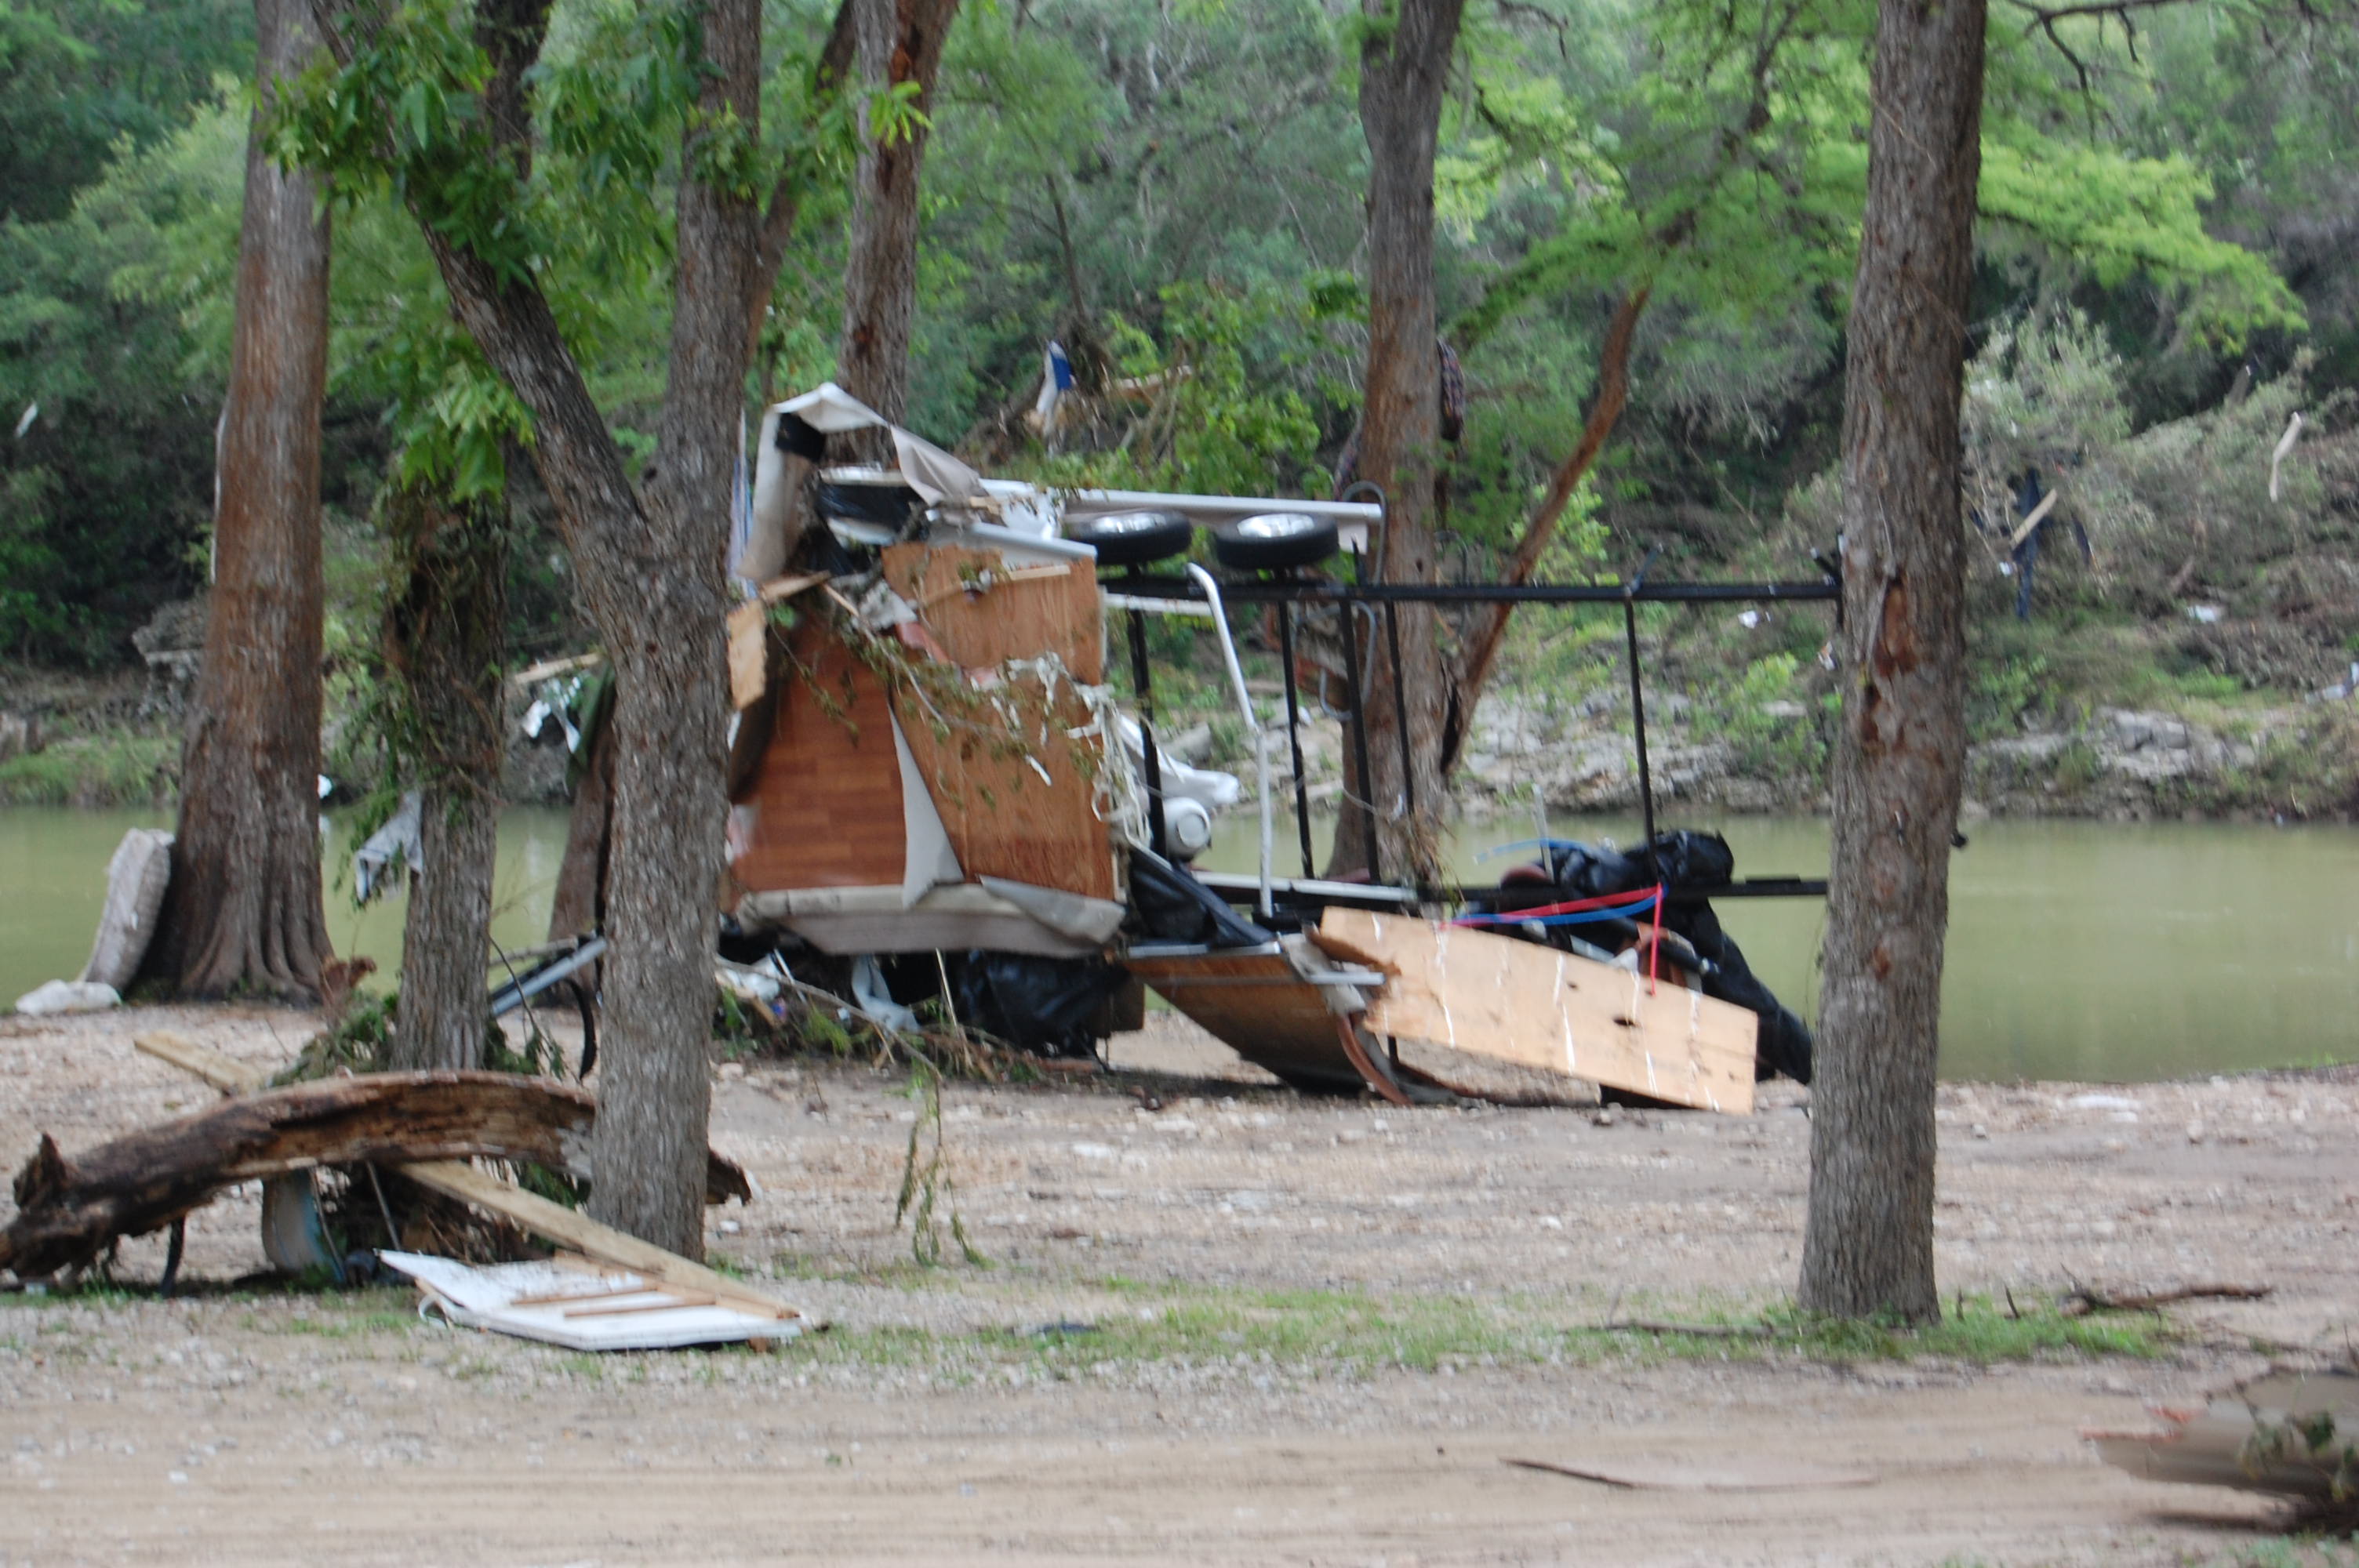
(928, 860)
(581, 1307)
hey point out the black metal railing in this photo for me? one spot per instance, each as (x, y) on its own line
(1289, 593)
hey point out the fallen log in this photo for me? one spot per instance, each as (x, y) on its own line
(70, 1210)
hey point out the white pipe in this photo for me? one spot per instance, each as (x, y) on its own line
(1253, 726)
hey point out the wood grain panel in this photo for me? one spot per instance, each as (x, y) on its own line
(1043, 610)
(1003, 816)
(1520, 1002)
(1258, 1006)
(829, 788)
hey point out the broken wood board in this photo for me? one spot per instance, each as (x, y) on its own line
(1518, 1001)
(1740, 1475)
(1020, 803)
(1010, 613)
(569, 1227)
(582, 1307)
(69, 1210)
(1253, 1001)
(749, 638)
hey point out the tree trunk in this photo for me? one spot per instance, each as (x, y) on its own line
(898, 41)
(1899, 758)
(671, 705)
(1403, 71)
(444, 639)
(243, 910)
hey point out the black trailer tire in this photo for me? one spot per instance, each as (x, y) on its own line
(1275, 541)
(1135, 538)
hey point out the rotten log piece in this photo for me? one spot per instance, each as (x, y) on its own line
(70, 1210)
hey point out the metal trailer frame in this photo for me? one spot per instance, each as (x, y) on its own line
(1140, 592)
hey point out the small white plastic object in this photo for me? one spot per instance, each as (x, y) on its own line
(1187, 826)
(67, 996)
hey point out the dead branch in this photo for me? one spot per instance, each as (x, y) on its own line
(70, 1210)
(2082, 1300)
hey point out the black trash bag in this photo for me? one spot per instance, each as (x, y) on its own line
(1683, 858)
(1167, 904)
(1049, 1006)
(1784, 1044)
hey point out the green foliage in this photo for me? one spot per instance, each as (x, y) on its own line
(113, 767)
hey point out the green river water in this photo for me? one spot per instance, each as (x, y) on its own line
(2092, 951)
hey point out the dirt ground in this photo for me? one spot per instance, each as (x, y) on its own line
(256, 1425)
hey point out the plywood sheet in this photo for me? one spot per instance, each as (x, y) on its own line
(1024, 610)
(1518, 1001)
(1254, 1003)
(827, 795)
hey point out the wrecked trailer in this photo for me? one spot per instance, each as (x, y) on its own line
(932, 788)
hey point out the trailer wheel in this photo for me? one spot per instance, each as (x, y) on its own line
(1275, 541)
(1135, 538)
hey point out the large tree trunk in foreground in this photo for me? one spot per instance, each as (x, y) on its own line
(69, 1209)
(1403, 71)
(1899, 757)
(652, 575)
(898, 41)
(244, 910)
(443, 638)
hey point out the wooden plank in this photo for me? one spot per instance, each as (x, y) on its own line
(226, 1074)
(749, 644)
(555, 1222)
(1520, 1002)
(1024, 612)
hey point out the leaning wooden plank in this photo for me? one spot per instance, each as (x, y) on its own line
(568, 1228)
(69, 1210)
(572, 1109)
(1518, 1001)
(226, 1074)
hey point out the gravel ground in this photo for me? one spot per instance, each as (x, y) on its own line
(257, 1425)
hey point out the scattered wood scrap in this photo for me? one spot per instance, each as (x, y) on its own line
(69, 1210)
(2082, 1300)
(550, 1221)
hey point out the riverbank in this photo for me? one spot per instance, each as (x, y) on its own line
(1304, 1330)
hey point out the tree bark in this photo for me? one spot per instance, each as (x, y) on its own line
(443, 638)
(1899, 756)
(898, 41)
(244, 910)
(671, 703)
(1402, 69)
(652, 576)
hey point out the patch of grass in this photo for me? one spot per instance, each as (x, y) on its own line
(116, 768)
(1361, 1333)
